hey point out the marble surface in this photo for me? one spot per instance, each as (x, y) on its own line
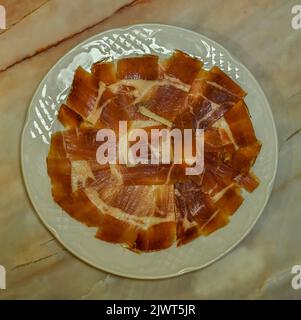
(258, 33)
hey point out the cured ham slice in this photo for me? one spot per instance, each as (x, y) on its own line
(244, 157)
(80, 144)
(68, 118)
(229, 200)
(183, 67)
(79, 206)
(145, 67)
(195, 209)
(152, 174)
(218, 78)
(243, 133)
(198, 213)
(148, 206)
(217, 141)
(212, 95)
(169, 100)
(240, 124)
(228, 174)
(119, 107)
(166, 101)
(105, 72)
(248, 181)
(84, 93)
(60, 172)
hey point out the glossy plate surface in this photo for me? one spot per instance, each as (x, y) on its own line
(41, 122)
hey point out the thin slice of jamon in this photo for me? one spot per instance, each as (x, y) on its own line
(217, 141)
(152, 174)
(244, 158)
(105, 72)
(229, 199)
(229, 174)
(215, 163)
(182, 66)
(240, 124)
(212, 94)
(248, 181)
(144, 67)
(242, 130)
(79, 206)
(85, 93)
(212, 184)
(224, 192)
(80, 144)
(219, 78)
(59, 170)
(164, 101)
(194, 210)
(200, 212)
(117, 107)
(226, 195)
(68, 118)
(196, 213)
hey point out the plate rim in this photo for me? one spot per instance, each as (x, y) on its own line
(183, 270)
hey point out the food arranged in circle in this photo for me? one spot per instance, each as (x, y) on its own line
(151, 206)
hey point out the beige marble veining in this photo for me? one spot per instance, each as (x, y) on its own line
(44, 27)
(17, 10)
(257, 32)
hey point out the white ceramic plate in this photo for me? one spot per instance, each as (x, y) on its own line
(41, 122)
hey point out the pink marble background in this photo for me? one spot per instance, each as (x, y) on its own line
(257, 32)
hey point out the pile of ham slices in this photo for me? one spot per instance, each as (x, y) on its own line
(150, 207)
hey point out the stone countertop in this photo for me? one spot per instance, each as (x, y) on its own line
(260, 35)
